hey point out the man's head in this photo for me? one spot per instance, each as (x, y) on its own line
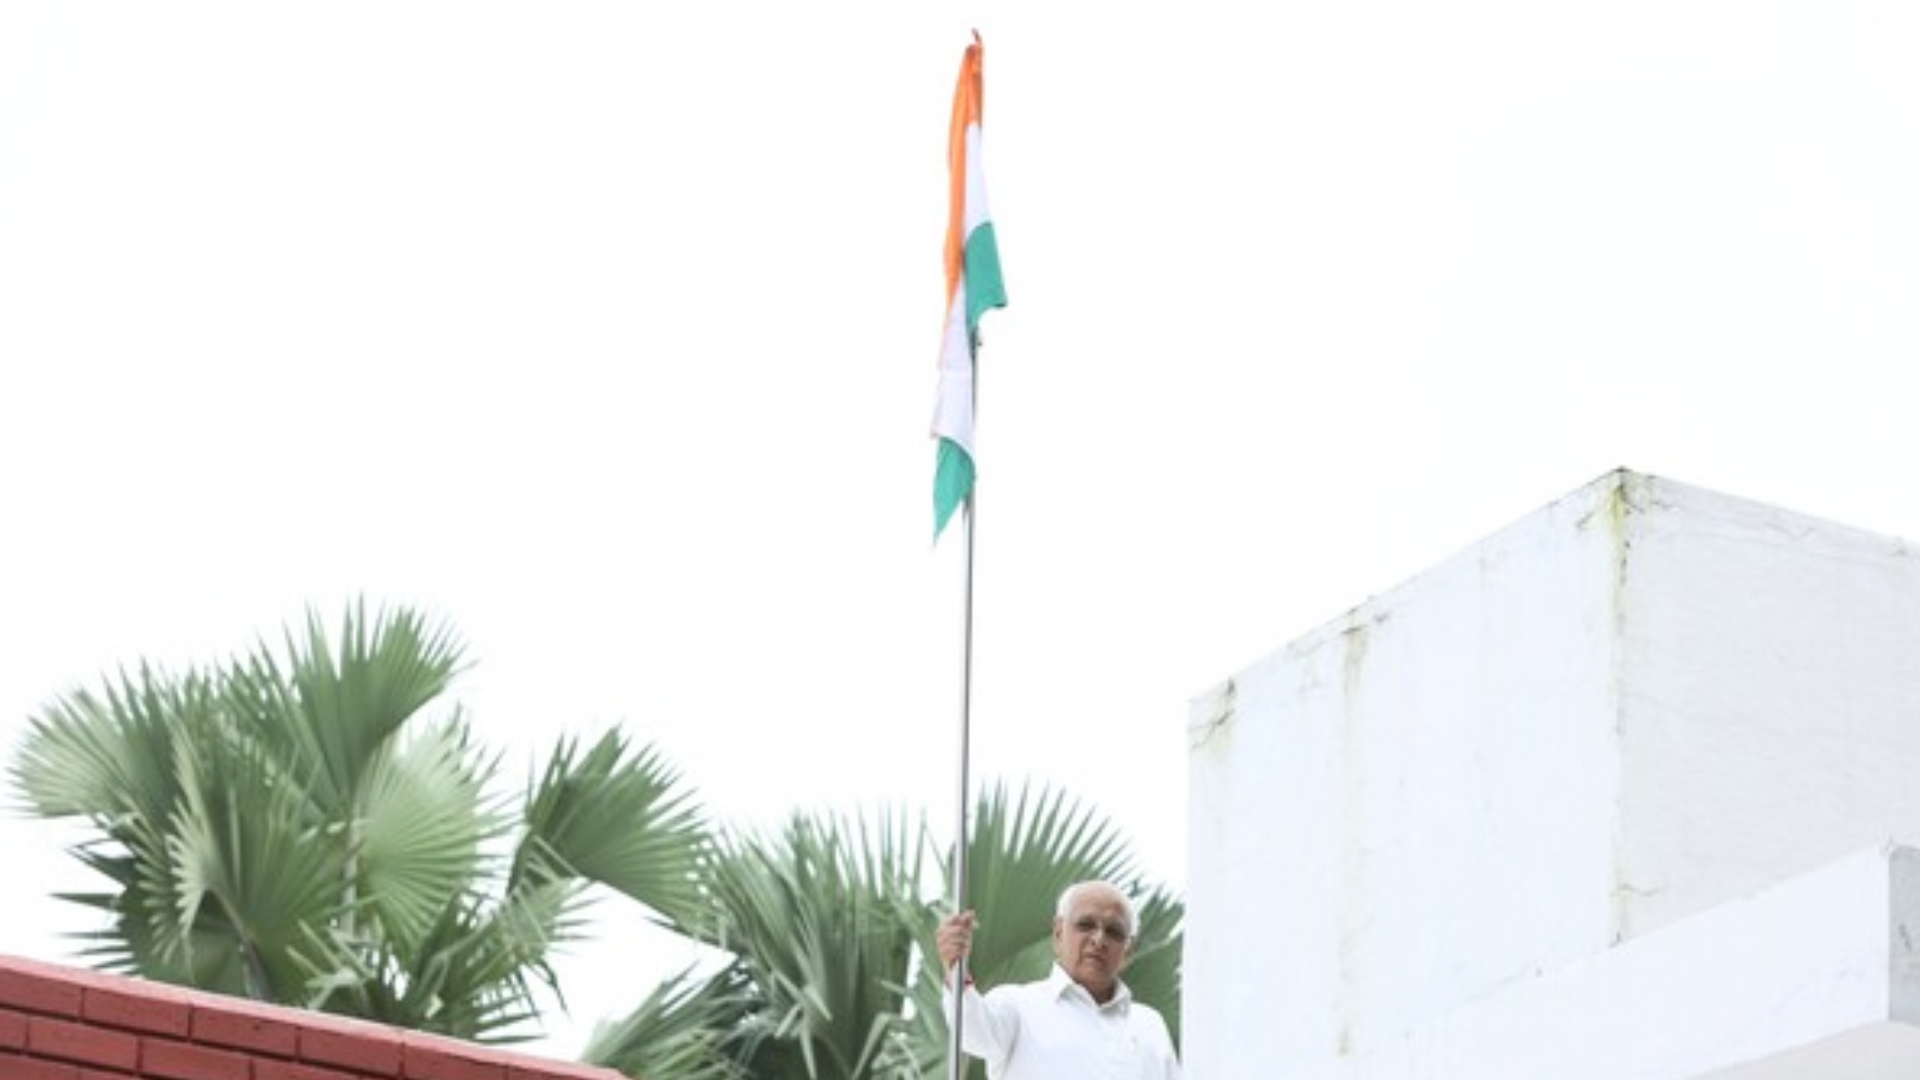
(1093, 932)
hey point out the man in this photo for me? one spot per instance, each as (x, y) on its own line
(1081, 1020)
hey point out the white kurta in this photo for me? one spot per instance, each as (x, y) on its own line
(1054, 1030)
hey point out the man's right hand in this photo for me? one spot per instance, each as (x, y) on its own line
(955, 938)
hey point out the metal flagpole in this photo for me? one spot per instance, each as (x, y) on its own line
(956, 1061)
(966, 211)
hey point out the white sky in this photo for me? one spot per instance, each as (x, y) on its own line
(606, 333)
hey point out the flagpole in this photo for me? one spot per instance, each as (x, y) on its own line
(956, 1059)
(973, 286)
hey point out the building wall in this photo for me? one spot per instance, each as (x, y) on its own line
(1638, 703)
(59, 1023)
(1769, 698)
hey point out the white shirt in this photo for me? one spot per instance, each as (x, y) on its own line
(1054, 1030)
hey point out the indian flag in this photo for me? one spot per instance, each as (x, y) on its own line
(973, 286)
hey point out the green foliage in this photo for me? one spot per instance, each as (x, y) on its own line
(311, 826)
(688, 1028)
(829, 937)
(619, 819)
(297, 827)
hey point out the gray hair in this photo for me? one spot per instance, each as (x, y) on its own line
(1064, 906)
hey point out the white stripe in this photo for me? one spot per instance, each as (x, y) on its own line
(953, 401)
(974, 213)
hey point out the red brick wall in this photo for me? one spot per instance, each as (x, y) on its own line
(60, 1023)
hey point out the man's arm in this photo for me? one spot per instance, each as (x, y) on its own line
(986, 1032)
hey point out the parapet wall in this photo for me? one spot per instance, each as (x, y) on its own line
(60, 1023)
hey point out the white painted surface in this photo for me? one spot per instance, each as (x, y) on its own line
(1412, 806)
(1794, 983)
(1770, 697)
(1636, 705)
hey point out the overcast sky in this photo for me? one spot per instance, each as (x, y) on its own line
(605, 332)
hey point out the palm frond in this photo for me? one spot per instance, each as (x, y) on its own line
(470, 977)
(1153, 974)
(245, 864)
(816, 916)
(331, 709)
(415, 846)
(106, 756)
(681, 1031)
(622, 820)
(1024, 850)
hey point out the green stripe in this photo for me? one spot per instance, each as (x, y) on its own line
(985, 289)
(952, 483)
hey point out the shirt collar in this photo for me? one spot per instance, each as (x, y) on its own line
(1060, 984)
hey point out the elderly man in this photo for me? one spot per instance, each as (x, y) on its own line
(1078, 1022)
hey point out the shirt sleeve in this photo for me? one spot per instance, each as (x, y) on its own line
(989, 1026)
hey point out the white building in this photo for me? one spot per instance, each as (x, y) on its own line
(1618, 792)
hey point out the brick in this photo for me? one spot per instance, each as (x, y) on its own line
(239, 1024)
(269, 1069)
(75, 1024)
(16, 1067)
(449, 1060)
(78, 1043)
(349, 1044)
(186, 1061)
(138, 1006)
(13, 1030)
(39, 988)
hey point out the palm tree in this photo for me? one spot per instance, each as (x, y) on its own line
(301, 826)
(816, 923)
(827, 936)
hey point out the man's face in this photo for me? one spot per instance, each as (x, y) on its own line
(1092, 943)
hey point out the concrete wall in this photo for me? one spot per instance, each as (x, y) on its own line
(1769, 698)
(1634, 705)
